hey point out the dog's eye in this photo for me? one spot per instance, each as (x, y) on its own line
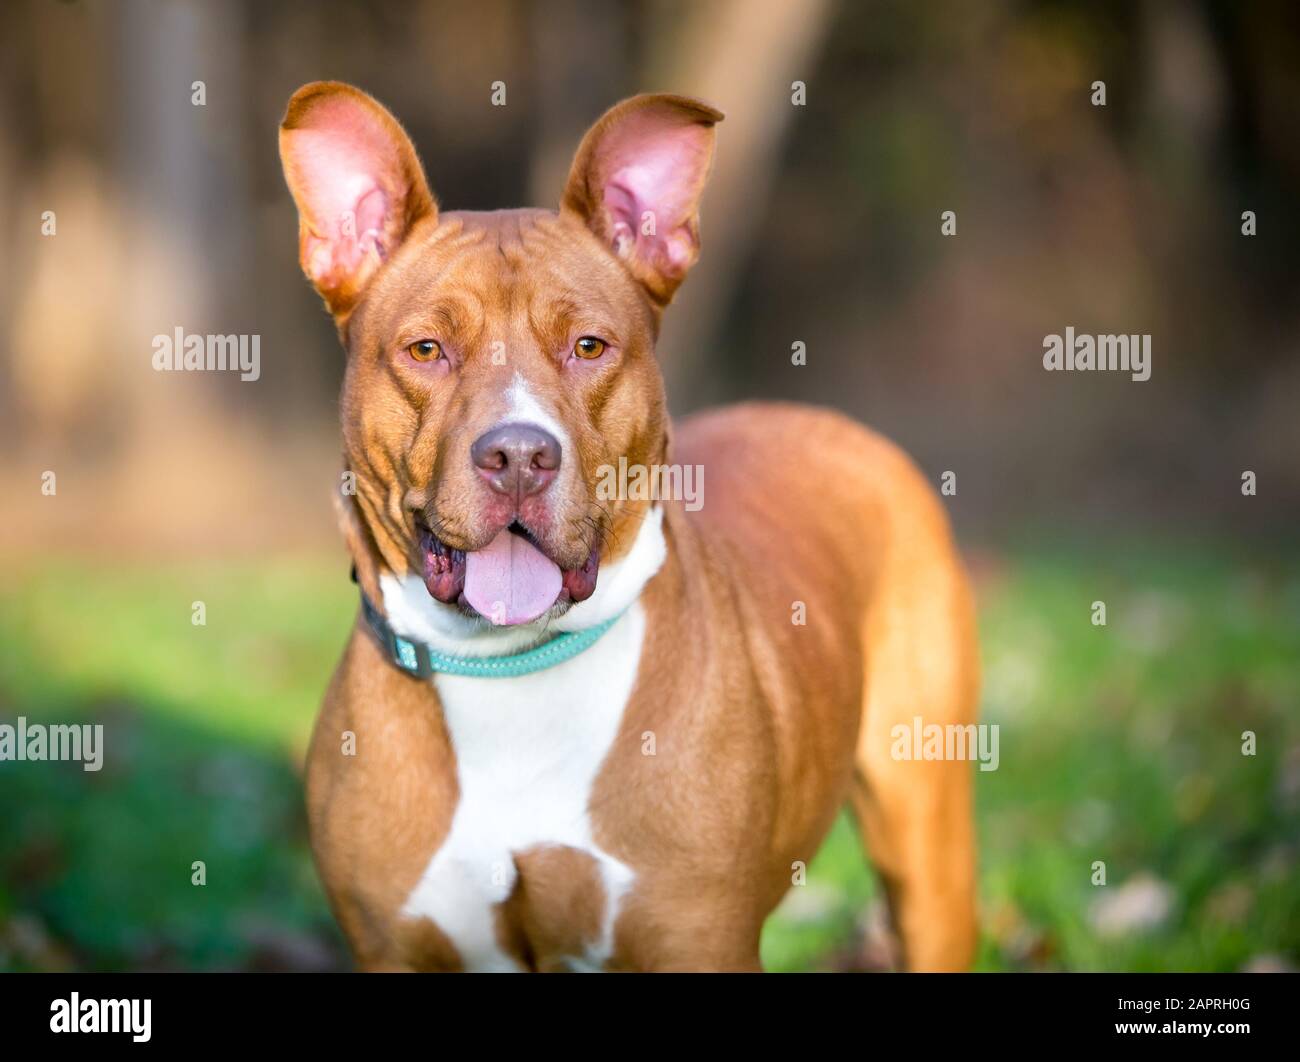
(589, 347)
(425, 350)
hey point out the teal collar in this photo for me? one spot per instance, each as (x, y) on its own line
(416, 658)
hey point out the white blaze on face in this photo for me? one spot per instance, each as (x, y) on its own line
(524, 408)
(510, 580)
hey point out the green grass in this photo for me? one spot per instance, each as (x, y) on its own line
(204, 729)
(1122, 744)
(1119, 744)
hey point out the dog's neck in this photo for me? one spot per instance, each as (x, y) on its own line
(415, 615)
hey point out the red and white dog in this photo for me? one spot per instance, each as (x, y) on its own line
(580, 731)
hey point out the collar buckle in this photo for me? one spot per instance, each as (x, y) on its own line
(411, 657)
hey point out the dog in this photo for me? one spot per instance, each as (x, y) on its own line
(573, 731)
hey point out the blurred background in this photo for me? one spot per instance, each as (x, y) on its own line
(1119, 744)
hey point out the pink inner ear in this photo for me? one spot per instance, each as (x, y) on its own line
(656, 166)
(348, 178)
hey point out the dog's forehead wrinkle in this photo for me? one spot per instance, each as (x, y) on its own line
(521, 268)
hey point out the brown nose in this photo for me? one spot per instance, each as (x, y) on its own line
(516, 459)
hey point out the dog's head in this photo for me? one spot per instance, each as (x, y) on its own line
(497, 362)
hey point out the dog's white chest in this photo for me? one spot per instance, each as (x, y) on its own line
(528, 751)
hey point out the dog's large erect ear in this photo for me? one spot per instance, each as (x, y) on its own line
(636, 182)
(357, 182)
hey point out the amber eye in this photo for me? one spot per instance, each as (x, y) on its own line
(589, 347)
(425, 350)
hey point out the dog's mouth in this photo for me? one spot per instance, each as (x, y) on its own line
(509, 581)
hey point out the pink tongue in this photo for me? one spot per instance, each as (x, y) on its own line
(510, 580)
